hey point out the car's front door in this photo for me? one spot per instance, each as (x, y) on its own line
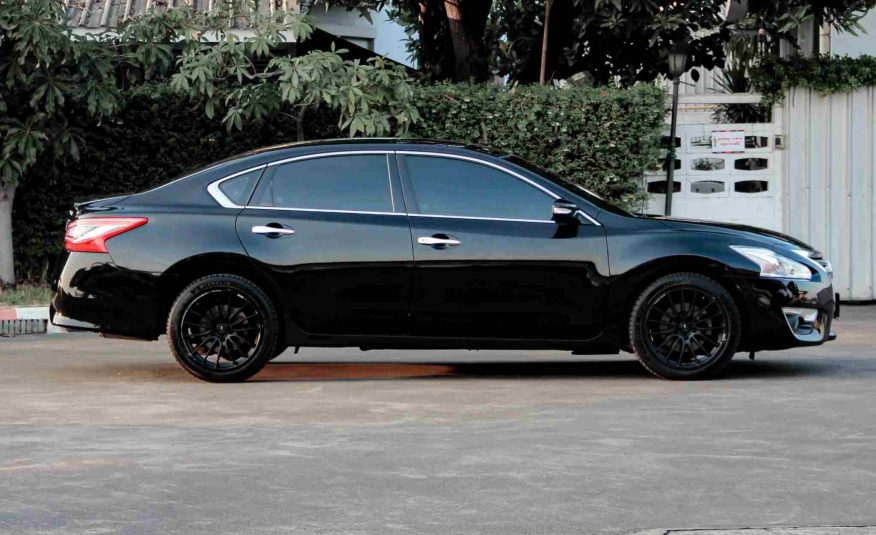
(334, 233)
(490, 262)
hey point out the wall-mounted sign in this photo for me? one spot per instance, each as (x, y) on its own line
(728, 141)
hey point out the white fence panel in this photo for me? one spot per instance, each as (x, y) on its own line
(829, 182)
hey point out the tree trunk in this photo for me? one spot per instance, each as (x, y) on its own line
(466, 25)
(299, 121)
(7, 268)
(461, 45)
(544, 42)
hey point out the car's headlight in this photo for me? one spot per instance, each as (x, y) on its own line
(773, 264)
(811, 255)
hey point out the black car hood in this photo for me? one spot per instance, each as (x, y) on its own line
(761, 234)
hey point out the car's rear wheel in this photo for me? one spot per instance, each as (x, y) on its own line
(685, 326)
(222, 328)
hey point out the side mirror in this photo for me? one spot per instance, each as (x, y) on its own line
(565, 212)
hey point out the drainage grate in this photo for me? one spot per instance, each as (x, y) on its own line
(16, 327)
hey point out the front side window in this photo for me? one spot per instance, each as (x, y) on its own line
(447, 186)
(348, 183)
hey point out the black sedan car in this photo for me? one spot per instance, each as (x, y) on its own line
(411, 244)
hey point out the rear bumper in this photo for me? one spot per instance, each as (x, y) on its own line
(69, 324)
(785, 313)
(93, 294)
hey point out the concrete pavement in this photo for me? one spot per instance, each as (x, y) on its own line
(100, 436)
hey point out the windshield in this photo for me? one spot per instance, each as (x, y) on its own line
(593, 198)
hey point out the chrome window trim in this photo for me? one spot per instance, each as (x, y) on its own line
(505, 170)
(221, 198)
(328, 154)
(485, 218)
(324, 210)
(389, 177)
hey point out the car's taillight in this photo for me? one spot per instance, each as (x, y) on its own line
(90, 235)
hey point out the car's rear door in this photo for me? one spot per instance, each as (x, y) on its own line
(490, 262)
(332, 230)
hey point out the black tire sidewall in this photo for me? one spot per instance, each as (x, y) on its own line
(266, 307)
(702, 283)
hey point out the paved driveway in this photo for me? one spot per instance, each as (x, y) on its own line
(110, 436)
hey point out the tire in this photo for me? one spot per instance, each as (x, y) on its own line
(227, 318)
(685, 326)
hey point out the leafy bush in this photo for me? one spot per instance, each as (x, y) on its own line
(601, 138)
(824, 74)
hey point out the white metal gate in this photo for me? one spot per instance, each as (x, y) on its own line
(740, 187)
(829, 183)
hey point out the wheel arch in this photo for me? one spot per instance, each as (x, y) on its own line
(636, 280)
(186, 271)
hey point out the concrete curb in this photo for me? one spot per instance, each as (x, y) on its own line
(26, 320)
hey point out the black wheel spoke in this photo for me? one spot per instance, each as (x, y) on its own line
(246, 318)
(685, 326)
(707, 339)
(663, 343)
(713, 316)
(706, 352)
(223, 329)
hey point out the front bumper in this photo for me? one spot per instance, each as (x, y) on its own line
(784, 313)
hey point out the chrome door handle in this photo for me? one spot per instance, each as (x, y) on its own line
(437, 241)
(265, 229)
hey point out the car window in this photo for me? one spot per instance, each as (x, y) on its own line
(591, 197)
(356, 182)
(446, 186)
(239, 188)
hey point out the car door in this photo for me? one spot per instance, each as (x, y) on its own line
(332, 230)
(490, 262)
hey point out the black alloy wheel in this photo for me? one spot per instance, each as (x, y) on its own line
(685, 326)
(223, 328)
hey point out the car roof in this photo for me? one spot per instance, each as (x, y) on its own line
(391, 141)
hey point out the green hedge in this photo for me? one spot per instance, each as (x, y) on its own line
(602, 138)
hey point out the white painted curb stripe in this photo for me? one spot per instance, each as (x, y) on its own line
(30, 313)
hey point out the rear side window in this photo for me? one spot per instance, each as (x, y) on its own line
(239, 188)
(446, 186)
(354, 183)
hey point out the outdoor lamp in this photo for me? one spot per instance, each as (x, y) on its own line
(677, 62)
(677, 59)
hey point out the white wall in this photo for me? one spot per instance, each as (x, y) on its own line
(847, 44)
(391, 39)
(829, 182)
(384, 36)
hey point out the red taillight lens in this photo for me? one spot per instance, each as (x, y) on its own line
(90, 235)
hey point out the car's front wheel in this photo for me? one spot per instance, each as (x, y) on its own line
(685, 326)
(222, 328)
